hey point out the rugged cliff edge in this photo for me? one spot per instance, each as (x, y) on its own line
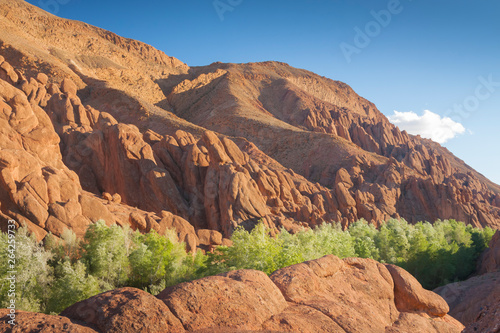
(88, 114)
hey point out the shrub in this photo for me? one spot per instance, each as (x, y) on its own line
(435, 254)
(253, 250)
(363, 235)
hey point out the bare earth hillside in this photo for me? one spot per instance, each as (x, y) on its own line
(290, 147)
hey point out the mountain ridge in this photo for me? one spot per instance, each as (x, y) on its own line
(210, 147)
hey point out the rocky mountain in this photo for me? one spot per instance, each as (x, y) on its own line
(97, 126)
(323, 295)
(214, 147)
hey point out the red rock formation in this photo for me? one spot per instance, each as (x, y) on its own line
(36, 188)
(219, 187)
(214, 301)
(427, 182)
(111, 102)
(467, 299)
(324, 295)
(487, 320)
(125, 310)
(410, 296)
(29, 322)
(313, 125)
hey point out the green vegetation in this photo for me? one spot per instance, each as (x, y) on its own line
(56, 275)
(52, 276)
(435, 254)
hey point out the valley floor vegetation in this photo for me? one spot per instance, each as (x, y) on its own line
(57, 274)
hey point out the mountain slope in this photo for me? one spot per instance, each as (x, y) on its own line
(293, 149)
(317, 126)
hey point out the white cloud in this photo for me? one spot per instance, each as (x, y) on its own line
(429, 125)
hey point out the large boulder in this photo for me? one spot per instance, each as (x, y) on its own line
(30, 322)
(241, 300)
(468, 298)
(356, 295)
(323, 295)
(125, 310)
(410, 296)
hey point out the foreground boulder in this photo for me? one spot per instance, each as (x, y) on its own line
(487, 320)
(475, 300)
(411, 296)
(357, 295)
(29, 322)
(125, 310)
(242, 299)
(323, 295)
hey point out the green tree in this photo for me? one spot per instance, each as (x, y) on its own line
(331, 239)
(158, 261)
(253, 250)
(72, 284)
(392, 241)
(33, 273)
(105, 253)
(364, 235)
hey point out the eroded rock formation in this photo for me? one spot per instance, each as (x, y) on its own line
(208, 182)
(323, 295)
(218, 146)
(37, 189)
(320, 128)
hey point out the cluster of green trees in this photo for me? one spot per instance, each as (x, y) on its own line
(55, 275)
(435, 254)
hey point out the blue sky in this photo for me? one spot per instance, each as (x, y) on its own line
(442, 56)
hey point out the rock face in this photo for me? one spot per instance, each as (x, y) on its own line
(323, 295)
(185, 182)
(487, 319)
(321, 128)
(476, 301)
(490, 258)
(37, 189)
(94, 117)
